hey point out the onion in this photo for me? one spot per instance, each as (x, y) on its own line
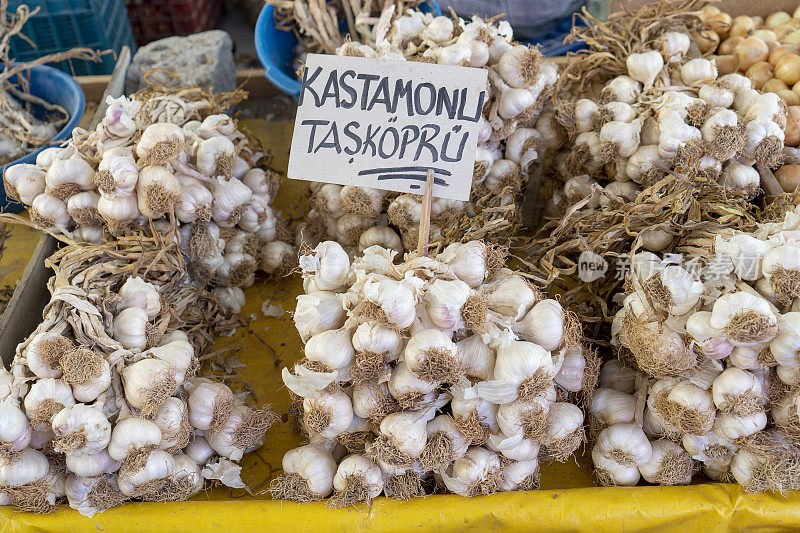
(777, 18)
(729, 45)
(742, 26)
(725, 64)
(787, 69)
(750, 51)
(759, 74)
(706, 41)
(789, 177)
(774, 85)
(792, 129)
(781, 51)
(789, 96)
(792, 38)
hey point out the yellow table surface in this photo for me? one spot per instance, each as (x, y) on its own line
(567, 501)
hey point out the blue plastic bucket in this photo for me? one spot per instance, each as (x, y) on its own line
(55, 87)
(275, 49)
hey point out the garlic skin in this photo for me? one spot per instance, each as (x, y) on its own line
(131, 434)
(45, 399)
(208, 401)
(92, 465)
(15, 432)
(160, 466)
(612, 406)
(544, 324)
(129, 328)
(318, 312)
(80, 430)
(29, 466)
(644, 67)
(313, 465)
(469, 475)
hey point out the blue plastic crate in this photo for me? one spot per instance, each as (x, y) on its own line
(552, 43)
(276, 48)
(63, 24)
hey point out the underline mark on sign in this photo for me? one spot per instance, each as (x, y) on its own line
(398, 173)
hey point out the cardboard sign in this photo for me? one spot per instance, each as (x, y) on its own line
(382, 124)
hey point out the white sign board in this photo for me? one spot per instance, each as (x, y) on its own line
(382, 124)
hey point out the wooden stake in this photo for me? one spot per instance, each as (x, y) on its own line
(425, 217)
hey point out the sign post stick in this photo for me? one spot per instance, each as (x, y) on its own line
(425, 217)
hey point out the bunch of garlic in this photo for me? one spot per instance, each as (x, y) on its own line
(132, 173)
(668, 113)
(450, 370)
(95, 417)
(516, 132)
(714, 366)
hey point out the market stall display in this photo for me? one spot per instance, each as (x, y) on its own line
(436, 348)
(163, 159)
(388, 346)
(104, 402)
(517, 131)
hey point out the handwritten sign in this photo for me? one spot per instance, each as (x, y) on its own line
(382, 124)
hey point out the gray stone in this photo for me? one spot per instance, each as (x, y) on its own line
(203, 59)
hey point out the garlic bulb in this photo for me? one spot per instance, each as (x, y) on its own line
(308, 474)
(80, 430)
(357, 479)
(619, 449)
(402, 438)
(318, 312)
(745, 318)
(28, 467)
(136, 292)
(522, 370)
(150, 478)
(92, 465)
(621, 89)
(23, 182)
(49, 212)
(698, 71)
(612, 406)
(67, 177)
(241, 431)
(328, 268)
(644, 67)
(479, 472)
(668, 465)
(131, 435)
(544, 324)
(433, 356)
(614, 375)
(45, 399)
(209, 403)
